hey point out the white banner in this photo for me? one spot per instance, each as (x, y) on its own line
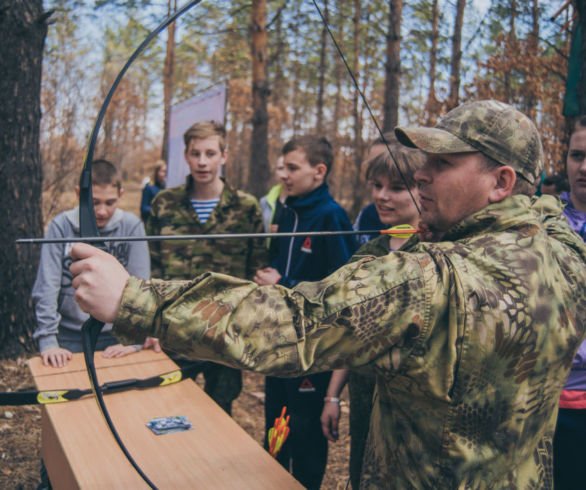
(209, 105)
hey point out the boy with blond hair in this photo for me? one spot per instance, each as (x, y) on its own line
(207, 204)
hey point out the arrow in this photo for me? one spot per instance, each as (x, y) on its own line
(400, 231)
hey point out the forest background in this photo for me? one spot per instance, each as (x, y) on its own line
(413, 60)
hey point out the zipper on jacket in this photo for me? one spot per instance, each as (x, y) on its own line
(287, 269)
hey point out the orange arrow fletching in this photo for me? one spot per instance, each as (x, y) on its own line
(401, 231)
(278, 433)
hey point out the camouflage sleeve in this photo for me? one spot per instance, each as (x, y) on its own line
(372, 310)
(257, 250)
(152, 228)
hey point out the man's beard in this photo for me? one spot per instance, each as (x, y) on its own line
(429, 233)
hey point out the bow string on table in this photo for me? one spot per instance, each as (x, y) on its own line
(61, 395)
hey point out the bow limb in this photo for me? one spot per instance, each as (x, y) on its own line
(88, 227)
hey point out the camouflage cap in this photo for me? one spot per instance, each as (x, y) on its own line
(493, 128)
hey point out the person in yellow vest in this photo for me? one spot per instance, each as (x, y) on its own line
(271, 205)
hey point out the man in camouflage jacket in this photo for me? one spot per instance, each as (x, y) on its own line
(470, 333)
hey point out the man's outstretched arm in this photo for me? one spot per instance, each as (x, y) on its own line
(351, 318)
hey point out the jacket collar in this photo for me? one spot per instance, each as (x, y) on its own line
(309, 200)
(72, 216)
(514, 212)
(227, 197)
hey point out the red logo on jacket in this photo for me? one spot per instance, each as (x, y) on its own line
(306, 247)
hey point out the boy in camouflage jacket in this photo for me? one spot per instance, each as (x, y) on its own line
(174, 211)
(470, 328)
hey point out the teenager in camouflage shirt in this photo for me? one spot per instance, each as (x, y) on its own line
(207, 204)
(471, 329)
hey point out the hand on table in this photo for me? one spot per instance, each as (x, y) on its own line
(119, 350)
(56, 356)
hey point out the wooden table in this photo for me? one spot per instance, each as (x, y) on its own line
(80, 452)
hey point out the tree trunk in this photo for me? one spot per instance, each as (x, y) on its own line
(338, 71)
(532, 82)
(432, 106)
(393, 66)
(168, 72)
(510, 47)
(259, 160)
(23, 28)
(454, 97)
(322, 72)
(356, 97)
(296, 45)
(279, 83)
(581, 7)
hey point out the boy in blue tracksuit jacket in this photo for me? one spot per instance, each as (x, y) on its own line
(309, 207)
(312, 258)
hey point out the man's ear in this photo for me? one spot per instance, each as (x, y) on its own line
(320, 171)
(505, 179)
(77, 192)
(121, 192)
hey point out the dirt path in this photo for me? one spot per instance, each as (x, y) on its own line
(20, 435)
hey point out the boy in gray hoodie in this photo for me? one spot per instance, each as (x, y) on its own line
(59, 318)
